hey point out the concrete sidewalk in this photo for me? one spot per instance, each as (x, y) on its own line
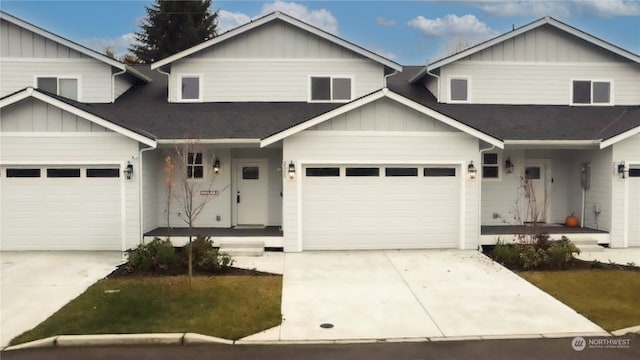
(446, 294)
(618, 256)
(34, 285)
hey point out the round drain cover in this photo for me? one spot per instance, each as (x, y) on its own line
(326, 326)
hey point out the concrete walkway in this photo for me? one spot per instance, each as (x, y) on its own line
(446, 294)
(617, 256)
(34, 285)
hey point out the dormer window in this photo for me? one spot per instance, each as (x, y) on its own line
(459, 89)
(63, 86)
(330, 89)
(588, 92)
(190, 88)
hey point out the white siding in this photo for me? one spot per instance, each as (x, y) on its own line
(273, 63)
(32, 115)
(383, 115)
(354, 147)
(25, 56)
(151, 193)
(544, 83)
(123, 83)
(628, 151)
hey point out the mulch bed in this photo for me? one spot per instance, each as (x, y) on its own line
(121, 271)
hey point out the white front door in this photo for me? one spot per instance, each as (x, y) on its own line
(251, 192)
(537, 192)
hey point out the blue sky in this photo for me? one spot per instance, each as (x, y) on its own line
(409, 32)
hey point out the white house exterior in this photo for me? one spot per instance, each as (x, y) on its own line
(330, 145)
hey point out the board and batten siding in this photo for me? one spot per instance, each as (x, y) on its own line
(368, 147)
(32, 115)
(25, 56)
(273, 63)
(537, 67)
(628, 151)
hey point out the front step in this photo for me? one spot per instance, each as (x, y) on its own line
(588, 245)
(242, 248)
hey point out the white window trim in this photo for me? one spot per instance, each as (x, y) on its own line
(179, 88)
(78, 78)
(331, 77)
(459, 77)
(498, 165)
(591, 103)
(204, 167)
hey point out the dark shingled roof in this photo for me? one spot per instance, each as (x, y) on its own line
(145, 108)
(526, 122)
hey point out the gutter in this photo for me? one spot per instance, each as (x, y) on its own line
(168, 83)
(113, 84)
(386, 78)
(211, 141)
(438, 78)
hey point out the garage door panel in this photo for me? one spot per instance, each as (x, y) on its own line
(380, 212)
(49, 213)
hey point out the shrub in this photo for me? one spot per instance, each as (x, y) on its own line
(157, 256)
(506, 254)
(205, 257)
(532, 257)
(542, 254)
(561, 253)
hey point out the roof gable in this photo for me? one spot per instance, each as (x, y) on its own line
(278, 16)
(546, 26)
(66, 107)
(75, 49)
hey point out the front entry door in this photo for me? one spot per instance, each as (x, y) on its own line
(539, 191)
(251, 192)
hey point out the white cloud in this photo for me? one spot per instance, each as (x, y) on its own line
(466, 27)
(559, 9)
(385, 22)
(610, 8)
(119, 44)
(228, 20)
(525, 8)
(320, 18)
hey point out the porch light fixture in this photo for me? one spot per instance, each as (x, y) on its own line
(291, 172)
(509, 166)
(622, 170)
(216, 166)
(472, 170)
(128, 171)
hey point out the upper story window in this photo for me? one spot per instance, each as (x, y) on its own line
(195, 168)
(190, 88)
(327, 88)
(459, 89)
(585, 92)
(490, 166)
(63, 86)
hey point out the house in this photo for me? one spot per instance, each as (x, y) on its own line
(310, 142)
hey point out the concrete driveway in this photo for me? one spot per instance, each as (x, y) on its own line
(436, 294)
(34, 285)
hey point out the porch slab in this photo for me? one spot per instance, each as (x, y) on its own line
(547, 228)
(617, 256)
(215, 232)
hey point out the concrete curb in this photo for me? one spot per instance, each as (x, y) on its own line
(625, 331)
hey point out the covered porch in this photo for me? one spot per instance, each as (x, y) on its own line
(270, 236)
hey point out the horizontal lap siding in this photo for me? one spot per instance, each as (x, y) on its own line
(363, 149)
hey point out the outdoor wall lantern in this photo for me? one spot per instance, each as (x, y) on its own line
(128, 171)
(621, 170)
(291, 172)
(509, 165)
(472, 170)
(216, 166)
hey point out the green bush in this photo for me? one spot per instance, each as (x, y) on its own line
(158, 256)
(205, 257)
(543, 254)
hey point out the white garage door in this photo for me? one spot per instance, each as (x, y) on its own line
(634, 205)
(380, 207)
(60, 208)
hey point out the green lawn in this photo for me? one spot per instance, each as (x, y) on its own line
(230, 307)
(610, 298)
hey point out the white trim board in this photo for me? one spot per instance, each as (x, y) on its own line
(373, 97)
(288, 19)
(34, 93)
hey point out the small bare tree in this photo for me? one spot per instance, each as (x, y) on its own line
(169, 182)
(457, 45)
(196, 189)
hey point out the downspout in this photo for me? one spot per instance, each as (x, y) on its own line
(386, 78)
(168, 82)
(141, 194)
(438, 82)
(113, 84)
(479, 178)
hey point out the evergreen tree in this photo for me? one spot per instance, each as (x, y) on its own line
(172, 26)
